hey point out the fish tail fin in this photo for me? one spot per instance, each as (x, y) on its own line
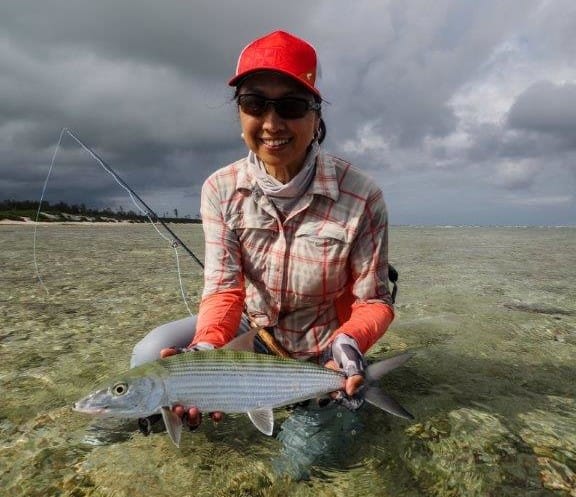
(375, 395)
(375, 371)
(378, 398)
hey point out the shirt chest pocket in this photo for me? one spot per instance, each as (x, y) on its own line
(323, 234)
(254, 230)
(324, 244)
(321, 250)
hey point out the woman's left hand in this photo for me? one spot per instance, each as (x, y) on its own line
(347, 357)
(352, 384)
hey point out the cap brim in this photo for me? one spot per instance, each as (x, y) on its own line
(236, 80)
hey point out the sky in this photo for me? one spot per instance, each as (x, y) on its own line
(463, 112)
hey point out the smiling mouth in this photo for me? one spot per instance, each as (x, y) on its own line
(275, 142)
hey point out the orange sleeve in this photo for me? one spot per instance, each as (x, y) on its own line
(219, 317)
(367, 323)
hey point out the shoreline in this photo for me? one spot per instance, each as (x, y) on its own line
(124, 222)
(30, 222)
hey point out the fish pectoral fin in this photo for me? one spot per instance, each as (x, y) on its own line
(263, 419)
(173, 425)
(378, 398)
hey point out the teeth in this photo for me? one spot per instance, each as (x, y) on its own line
(275, 143)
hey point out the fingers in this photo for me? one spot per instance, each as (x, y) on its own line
(353, 384)
(217, 416)
(179, 410)
(190, 416)
(168, 352)
(193, 417)
(331, 364)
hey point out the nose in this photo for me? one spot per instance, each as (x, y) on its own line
(271, 120)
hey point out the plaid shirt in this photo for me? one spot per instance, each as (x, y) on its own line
(295, 270)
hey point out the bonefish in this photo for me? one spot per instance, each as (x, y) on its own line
(228, 381)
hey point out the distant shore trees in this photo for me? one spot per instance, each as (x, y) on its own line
(19, 210)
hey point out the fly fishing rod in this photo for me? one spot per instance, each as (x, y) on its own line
(147, 211)
(264, 335)
(143, 207)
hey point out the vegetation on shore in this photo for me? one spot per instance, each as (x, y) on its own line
(23, 210)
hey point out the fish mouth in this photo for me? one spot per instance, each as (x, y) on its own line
(90, 410)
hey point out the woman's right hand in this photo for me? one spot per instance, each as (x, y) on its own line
(190, 415)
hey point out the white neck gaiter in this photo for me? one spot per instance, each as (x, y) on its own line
(285, 196)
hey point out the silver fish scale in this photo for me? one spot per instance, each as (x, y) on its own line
(231, 381)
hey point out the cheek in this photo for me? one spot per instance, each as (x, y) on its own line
(306, 130)
(247, 127)
(312, 125)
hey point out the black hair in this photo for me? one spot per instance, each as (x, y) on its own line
(321, 130)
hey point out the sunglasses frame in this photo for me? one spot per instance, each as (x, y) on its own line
(310, 105)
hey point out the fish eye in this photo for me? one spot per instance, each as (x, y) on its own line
(119, 389)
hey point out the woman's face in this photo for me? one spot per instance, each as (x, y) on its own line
(279, 142)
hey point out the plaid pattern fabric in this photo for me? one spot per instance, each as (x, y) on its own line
(295, 269)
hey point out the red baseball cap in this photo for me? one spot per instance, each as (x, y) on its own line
(281, 52)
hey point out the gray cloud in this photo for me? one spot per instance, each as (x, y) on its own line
(546, 108)
(192, 36)
(414, 58)
(416, 90)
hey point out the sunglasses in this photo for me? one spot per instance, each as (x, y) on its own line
(286, 107)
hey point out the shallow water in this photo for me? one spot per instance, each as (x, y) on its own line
(491, 313)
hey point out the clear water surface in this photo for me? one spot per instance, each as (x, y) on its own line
(490, 312)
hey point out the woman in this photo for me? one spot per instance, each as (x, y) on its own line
(295, 239)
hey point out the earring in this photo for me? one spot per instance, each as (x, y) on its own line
(242, 135)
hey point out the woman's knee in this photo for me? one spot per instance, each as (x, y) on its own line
(174, 334)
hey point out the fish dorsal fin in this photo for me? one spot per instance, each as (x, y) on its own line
(378, 398)
(173, 425)
(263, 419)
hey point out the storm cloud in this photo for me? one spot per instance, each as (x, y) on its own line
(546, 108)
(463, 112)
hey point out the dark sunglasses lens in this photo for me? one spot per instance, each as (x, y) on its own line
(253, 105)
(287, 108)
(291, 108)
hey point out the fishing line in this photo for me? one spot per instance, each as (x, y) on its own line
(38, 211)
(152, 217)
